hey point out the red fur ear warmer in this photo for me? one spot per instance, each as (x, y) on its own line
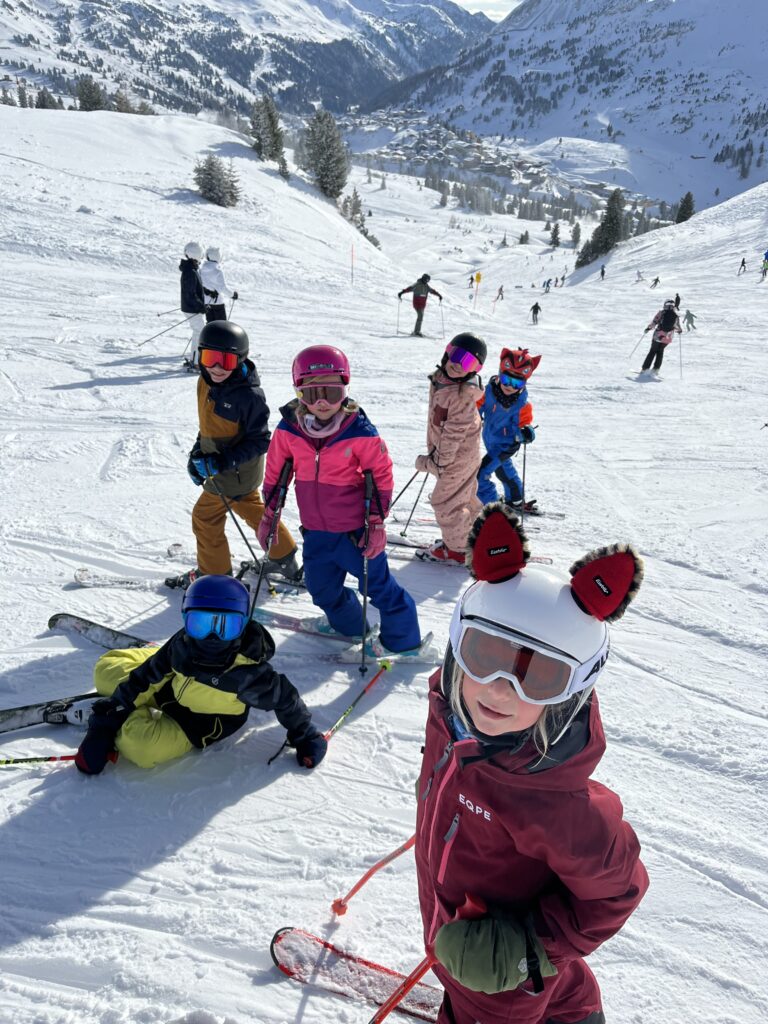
(606, 580)
(497, 547)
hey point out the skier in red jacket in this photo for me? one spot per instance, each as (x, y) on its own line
(507, 812)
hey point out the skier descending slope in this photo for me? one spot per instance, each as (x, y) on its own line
(665, 324)
(328, 443)
(421, 292)
(227, 458)
(507, 813)
(196, 689)
(453, 445)
(507, 417)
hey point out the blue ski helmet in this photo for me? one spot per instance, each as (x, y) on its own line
(216, 594)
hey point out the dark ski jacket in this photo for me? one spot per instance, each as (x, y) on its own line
(233, 418)
(211, 701)
(420, 292)
(192, 298)
(527, 835)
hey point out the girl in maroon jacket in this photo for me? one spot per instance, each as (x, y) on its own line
(509, 820)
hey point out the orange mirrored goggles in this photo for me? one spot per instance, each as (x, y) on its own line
(212, 357)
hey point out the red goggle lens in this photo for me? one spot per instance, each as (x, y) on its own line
(212, 357)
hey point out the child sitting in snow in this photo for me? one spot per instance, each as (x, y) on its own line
(507, 416)
(196, 689)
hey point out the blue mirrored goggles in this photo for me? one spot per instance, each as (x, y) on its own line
(511, 382)
(201, 624)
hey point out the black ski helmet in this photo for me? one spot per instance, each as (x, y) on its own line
(224, 336)
(426, 278)
(470, 343)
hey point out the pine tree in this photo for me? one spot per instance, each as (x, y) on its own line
(327, 154)
(90, 96)
(215, 182)
(45, 100)
(554, 238)
(608, 232)
(122, 103)
(266, 130)
(23, 102)
(503, 243)
(7, 98)
(686, 209)
(576, 235)
(282, 167)
(232, 186)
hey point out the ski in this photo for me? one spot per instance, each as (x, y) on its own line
(312, 961)
(104, 636)
(56, 712)
(427, 653)
(88, 578)
(408, 548)
(316, 625)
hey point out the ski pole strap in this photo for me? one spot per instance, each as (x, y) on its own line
(279, 751)
(532, 958)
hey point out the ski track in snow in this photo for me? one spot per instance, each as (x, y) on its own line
(151, 897)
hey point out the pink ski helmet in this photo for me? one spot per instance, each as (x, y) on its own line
(319, 361)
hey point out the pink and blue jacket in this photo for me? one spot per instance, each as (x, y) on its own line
(329, 471)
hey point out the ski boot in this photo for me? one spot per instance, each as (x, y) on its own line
(287, 566)
(440, 552)
(184, 580)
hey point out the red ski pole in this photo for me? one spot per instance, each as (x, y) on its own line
(470, 908)
(45, 760)
(339, 906)
(384, 667)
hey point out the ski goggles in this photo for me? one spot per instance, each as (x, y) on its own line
(539, 674)
(466, 360)
(212, 357)
(200, 624)
(331, 393)
(511, 382)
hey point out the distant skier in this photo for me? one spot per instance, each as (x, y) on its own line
(192, 296)
(547, 285)
(421, 291)
(657, 281)
(639, 277)
(688, 320)
(500, 294)
(535, 310)
(764, 270)
(602, 272)
(471, 281)
(664, 325)
(158, 703)
(742, 266)
(215, 287)
(677, 301)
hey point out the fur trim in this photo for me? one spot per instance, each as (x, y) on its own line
(606, 580)
(497, 547)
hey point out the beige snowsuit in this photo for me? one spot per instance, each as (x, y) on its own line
(453, 431)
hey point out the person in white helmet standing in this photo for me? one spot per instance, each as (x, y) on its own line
(215, 288)
(192, 297)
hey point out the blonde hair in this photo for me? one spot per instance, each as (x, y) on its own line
(549, 727)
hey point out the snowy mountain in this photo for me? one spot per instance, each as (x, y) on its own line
(183, 56)
(673, 82)
(151, 895)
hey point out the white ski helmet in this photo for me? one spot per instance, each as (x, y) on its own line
(545, 632)
(213, 253)
(193, 250)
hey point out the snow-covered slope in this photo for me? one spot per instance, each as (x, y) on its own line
(675, 83)
(184, 56)
(151, 896)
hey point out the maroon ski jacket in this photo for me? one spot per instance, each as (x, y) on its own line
(526, 835)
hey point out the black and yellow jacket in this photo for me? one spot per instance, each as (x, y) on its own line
(234, 418)
(209, 701)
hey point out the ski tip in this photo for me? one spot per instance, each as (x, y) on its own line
(275, 941)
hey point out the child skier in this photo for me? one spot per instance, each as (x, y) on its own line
(192, 296)
(421, 291)
(453, 445)
(689, 320)
(196, 689)
(665, 324)
(228, 456)
(215, 286)
(329, 445)
(507, 416)
(525, 865)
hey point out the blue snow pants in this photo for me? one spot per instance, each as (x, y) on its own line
(503, 468)
(328, 557)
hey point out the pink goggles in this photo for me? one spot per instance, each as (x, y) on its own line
(466, 360)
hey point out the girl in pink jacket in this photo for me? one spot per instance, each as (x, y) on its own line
(453, 445)
(329, 446)
(525, 864)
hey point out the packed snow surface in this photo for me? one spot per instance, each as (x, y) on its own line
(151, 897)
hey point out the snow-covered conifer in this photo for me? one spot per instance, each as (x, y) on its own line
(327, 154)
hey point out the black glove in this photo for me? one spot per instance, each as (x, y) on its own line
(646, 330)
(235, 296)
(528, 434)
(107, 718)
(311, 750)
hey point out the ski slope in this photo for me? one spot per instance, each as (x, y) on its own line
(151, 897)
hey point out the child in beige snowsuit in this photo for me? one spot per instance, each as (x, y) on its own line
(453, 442)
